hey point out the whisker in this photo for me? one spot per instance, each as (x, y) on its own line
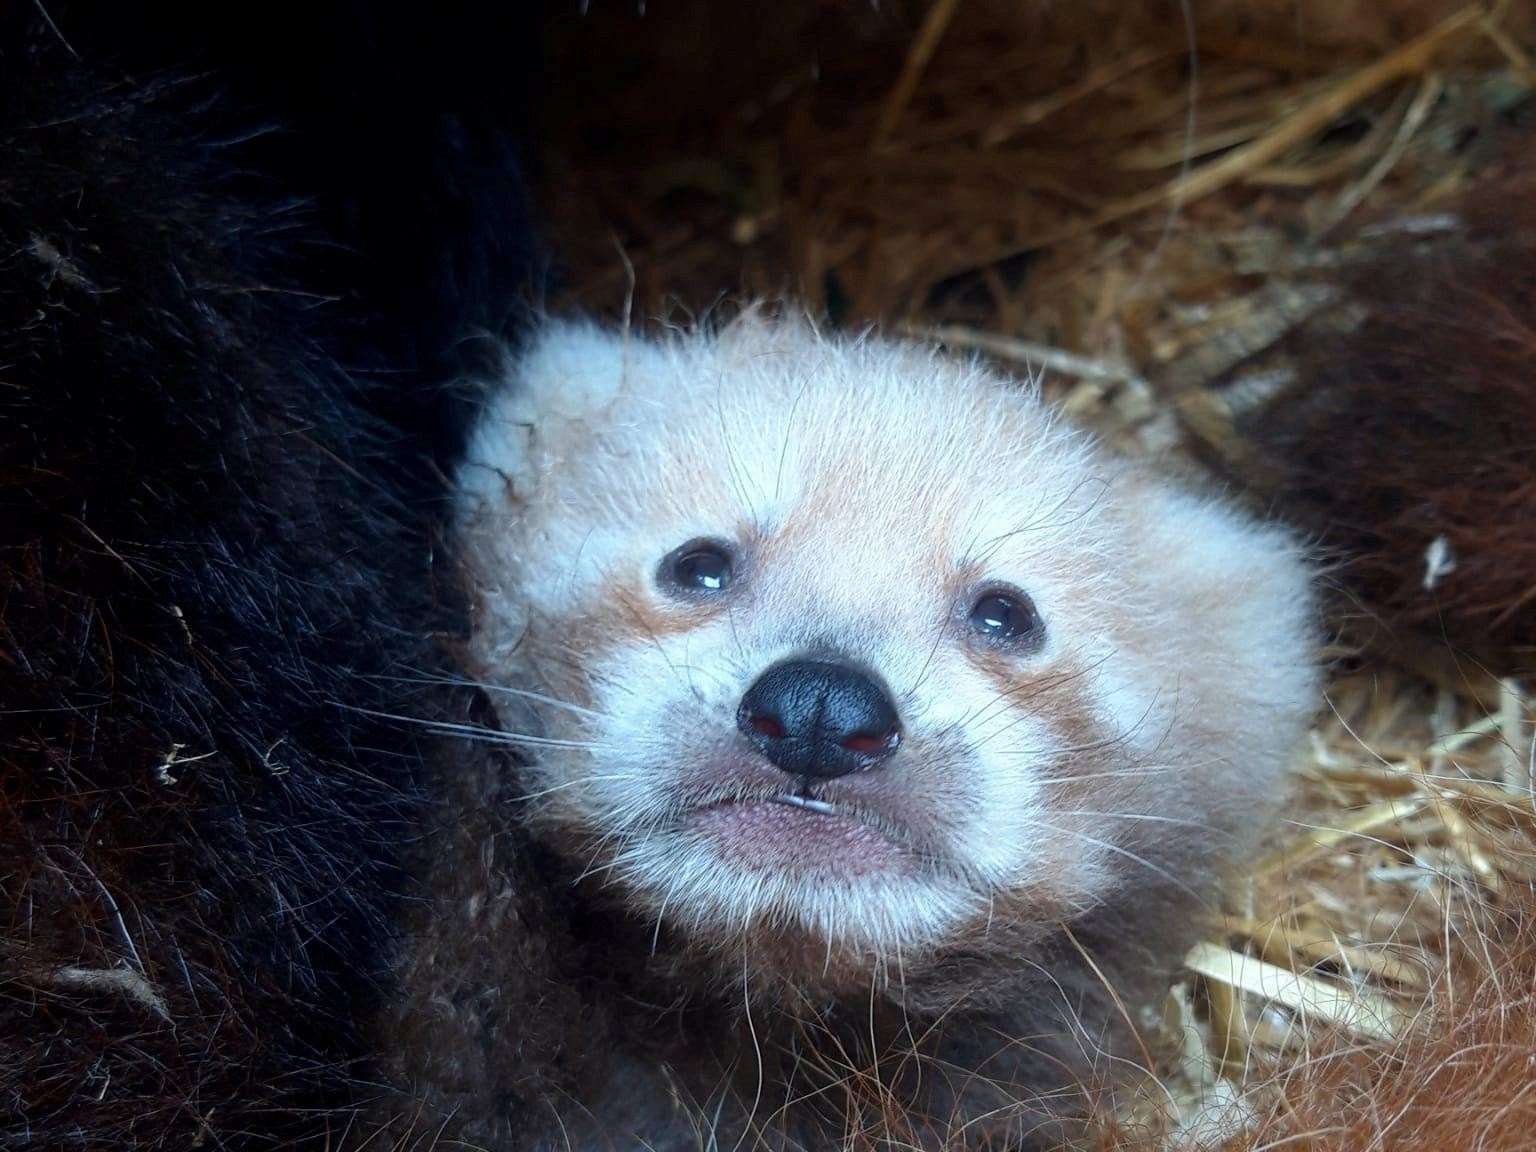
(1030, 692)
(627, 842)
(569, 784)
(1155, 869)
(789, 427)
(1115, 775)
(473, 731)
(990, 547)
(454, 682)
(922, 674)
(1148, 817)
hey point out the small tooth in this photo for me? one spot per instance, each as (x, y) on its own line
(820, 807)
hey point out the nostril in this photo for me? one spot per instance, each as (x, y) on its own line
(865, 744)
(766, 726)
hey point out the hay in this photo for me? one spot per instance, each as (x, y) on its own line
(1065, 191)
(1415, 823)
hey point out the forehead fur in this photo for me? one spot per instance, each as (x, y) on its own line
(774, 429)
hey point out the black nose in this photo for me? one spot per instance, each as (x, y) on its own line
(814, 718)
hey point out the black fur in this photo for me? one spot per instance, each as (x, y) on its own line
(239, 250)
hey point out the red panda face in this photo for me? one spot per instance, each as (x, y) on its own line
(845, 644)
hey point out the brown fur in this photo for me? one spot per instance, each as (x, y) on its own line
(1421, 424)
(1463, 1078)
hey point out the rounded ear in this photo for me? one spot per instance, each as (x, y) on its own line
(1247, 587)
(551, 397)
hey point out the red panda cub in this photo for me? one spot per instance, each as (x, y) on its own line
(894, 735)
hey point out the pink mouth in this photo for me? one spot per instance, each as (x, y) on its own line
(791, 834)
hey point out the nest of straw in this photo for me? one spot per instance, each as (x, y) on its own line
(1144, 206)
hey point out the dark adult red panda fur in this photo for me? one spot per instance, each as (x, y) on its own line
(237, 248)
(1420, 425)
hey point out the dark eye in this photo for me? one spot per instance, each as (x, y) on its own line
(699, 566)
(1005, 616)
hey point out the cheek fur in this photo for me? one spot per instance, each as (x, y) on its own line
(584, 651)
(623, 684)
(621, 617)
(1041, 749)
(654, 710)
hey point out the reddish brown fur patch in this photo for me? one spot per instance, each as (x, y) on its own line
(1463, 1079)
(1055, 695)
(640, 616)
(626, 617)
(1420, 424)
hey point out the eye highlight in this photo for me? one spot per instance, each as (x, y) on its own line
(1005, 616)
(699, 567)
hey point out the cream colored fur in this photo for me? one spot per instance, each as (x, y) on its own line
(871, 488)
